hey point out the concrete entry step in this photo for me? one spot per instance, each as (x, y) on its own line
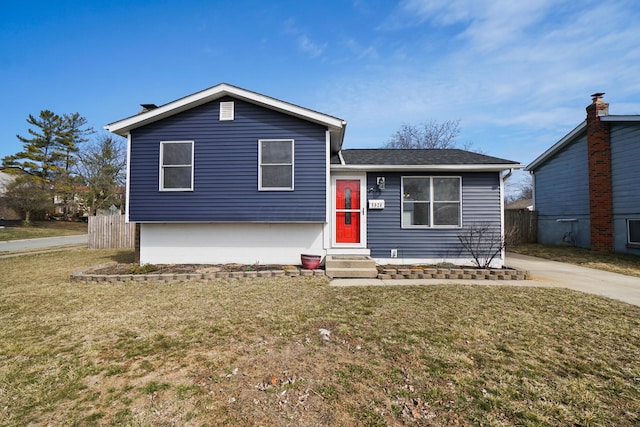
(345, 266)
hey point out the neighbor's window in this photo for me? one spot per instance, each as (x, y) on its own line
(633, 231)
(431, 201)
(176, 165)
(275, 164)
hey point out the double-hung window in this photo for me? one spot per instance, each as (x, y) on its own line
(633, 232)
(431, 201)
(176, 165)
(275, 164)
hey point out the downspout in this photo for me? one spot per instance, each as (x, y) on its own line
(533, 189)
(503, 178)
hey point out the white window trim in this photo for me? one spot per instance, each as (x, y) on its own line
(162, 167)
(293, 168)
(629, 242)
(431, 203)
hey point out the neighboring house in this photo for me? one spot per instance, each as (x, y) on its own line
(228, 175)
(526, 204)
(6, 213)
(586, 185)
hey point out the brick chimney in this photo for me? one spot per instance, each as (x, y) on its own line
(600, 188)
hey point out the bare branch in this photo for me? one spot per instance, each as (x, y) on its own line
(431, 134)
(484, 242)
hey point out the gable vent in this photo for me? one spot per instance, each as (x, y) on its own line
(226, 110)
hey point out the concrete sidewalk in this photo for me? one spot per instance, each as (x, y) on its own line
(546, 273)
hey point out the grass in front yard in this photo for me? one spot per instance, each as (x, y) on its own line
(43, 229)
(250, 352)
(616, 263)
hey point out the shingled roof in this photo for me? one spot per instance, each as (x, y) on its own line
(419, 158)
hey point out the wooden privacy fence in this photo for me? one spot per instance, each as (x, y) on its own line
(111, 232)
(520, 226)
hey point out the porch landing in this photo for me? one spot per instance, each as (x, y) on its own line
(350, 266)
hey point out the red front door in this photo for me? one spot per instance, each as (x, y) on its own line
(347, 211)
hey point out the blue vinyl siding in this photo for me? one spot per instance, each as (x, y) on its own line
(625, 169)
(480, 203)
(226, 168)
(562, 192)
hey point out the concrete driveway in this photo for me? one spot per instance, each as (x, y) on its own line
(558, 274)
(545, 273)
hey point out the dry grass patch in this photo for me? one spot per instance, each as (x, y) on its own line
(250, 352)
(616, 263)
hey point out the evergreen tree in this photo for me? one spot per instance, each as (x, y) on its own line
(50, 152)
(73, 132)
(52, 146)
(39, 154)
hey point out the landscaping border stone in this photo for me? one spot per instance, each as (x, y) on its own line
(453, 273)
(85, 274)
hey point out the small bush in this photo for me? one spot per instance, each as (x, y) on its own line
(142, 269)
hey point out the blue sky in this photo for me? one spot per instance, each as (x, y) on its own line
(517, 74)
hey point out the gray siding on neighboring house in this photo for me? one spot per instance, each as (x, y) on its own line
(562, 192)
(226, 168)
(480, 204)
(625, 169)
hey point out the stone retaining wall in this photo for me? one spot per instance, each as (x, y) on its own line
(453, 273)
(85, 275)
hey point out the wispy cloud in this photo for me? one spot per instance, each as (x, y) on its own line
(360, 51)
(304, 42)
(307, 46)
(524, 68)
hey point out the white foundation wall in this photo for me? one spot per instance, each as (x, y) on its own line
(497, 262)
(229, 243)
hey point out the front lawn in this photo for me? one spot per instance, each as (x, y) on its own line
(299, 352)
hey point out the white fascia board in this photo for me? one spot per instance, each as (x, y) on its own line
(127, 181)
(121, 127)
(557, 146)
(622, 118)
(427, 168)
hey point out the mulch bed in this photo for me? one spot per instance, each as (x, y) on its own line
(185, 268)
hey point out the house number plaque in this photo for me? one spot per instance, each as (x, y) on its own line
(376, 204)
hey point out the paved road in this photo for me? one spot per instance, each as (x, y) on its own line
(545, 273)
(43, 243)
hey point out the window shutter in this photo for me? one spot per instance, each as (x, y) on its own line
(226, 110)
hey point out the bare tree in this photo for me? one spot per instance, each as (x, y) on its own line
(431, 134)
(484, 242)
(102, 167)
(520, 188)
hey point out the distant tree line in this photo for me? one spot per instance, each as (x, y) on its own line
(64, 163)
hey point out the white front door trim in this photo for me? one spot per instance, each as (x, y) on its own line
(363, 211)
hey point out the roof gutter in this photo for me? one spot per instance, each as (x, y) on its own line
(428, 168)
